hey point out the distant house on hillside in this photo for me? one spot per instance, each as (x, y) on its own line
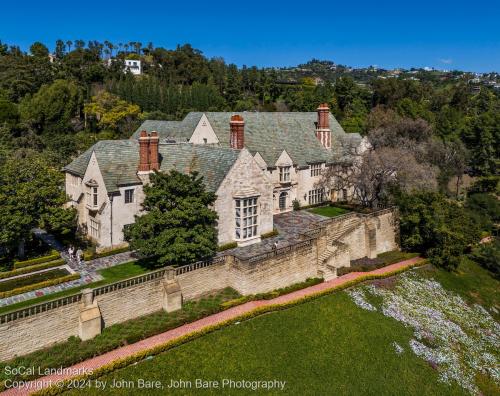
(134, 66)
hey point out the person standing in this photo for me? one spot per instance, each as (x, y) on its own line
(71, 251)
(79, 255)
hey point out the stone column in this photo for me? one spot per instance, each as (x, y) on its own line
(371, 240)
(90, 321)
(172, 294)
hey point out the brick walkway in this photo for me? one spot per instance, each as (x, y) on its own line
(170, 335)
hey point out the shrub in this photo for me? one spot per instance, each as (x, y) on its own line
(270, 234)
(31, 268)
(296, 204)
(26, 263)
(488, 256)
(92, 254)
(227, 246)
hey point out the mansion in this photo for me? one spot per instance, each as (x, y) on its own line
(257, 163)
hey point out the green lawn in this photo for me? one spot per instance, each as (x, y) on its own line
(112, 274)
(328, 211)
(327, 346)
(472, 282)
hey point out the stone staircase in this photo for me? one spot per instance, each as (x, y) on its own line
(341, 228)
(325, 270)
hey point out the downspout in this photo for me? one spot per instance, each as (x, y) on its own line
(111, 219)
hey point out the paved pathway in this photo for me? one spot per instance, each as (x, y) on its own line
(290, 226)
(173, 334)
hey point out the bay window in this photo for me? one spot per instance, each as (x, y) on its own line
(246, 218)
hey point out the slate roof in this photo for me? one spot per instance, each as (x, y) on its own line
(268, 133)
(118, 161)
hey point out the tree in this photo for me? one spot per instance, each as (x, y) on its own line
(111, 111)
(179, 226)
(53, 106)
(31, 195)
(438, 227)
(39, 50)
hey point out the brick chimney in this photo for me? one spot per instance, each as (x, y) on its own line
(237, 128)
(143, 152)
(323, 132)
(154, 140)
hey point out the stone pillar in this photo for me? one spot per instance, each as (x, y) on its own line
(371, 240)
(172, 294)
(90, 321)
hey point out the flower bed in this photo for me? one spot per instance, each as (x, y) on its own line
(34, 282)
(54, 255)
(461, 341)
(31, 268)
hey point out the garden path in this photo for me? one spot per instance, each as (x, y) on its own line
(148, 343)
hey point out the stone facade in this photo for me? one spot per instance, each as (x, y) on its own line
(332, 245)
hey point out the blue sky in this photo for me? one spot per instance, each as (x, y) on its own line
(442, 34)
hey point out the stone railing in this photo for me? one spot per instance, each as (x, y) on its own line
(39, 308)
(199, 264)
(150, 276)
(277, 252)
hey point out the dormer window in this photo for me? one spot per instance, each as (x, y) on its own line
(92, 194)
(284, 174)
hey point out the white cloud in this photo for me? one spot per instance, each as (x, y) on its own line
(446, 61)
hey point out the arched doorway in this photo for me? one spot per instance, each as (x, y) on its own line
(282, 200)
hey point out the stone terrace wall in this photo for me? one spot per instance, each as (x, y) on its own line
(275, 270)
(39, 326)
(29, 334)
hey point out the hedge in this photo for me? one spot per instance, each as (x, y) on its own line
(272, 294)
(31, 268)
(137, 357)
(270, 234)
(26, 263)
(39, 285)
(227, 246)
(87, 256)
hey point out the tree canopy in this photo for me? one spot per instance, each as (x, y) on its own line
(178, 226)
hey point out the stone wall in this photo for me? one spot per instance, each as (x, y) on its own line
(331, 245)
(38, 331)
(276, 271)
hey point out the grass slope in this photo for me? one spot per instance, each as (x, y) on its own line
(327, 346)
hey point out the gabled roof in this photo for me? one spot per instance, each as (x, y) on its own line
(268, 133)
(118, 161)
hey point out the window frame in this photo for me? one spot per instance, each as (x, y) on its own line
(285, 174)
(315, 170)
(126, 198)
(246, 218)
(316, 196)
(94, 228)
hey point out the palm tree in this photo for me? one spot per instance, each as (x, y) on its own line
(69, 43)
